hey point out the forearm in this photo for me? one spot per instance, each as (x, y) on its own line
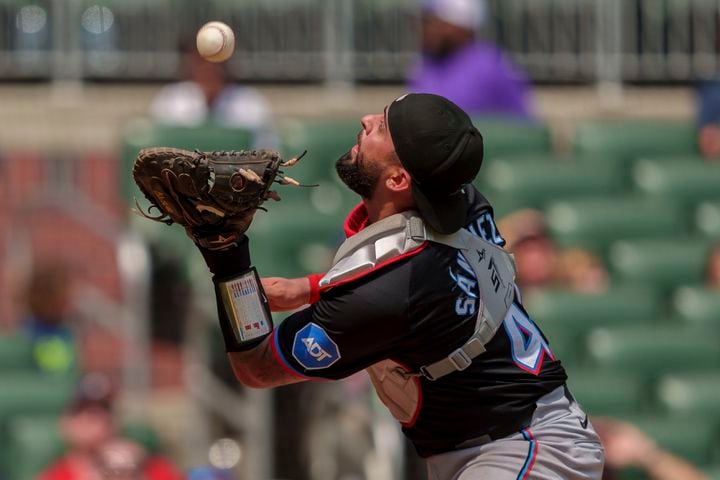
(258, 368)
(253, 362)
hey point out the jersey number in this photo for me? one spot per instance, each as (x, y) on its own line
(526, 342)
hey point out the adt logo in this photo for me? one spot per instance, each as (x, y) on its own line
(313, 348)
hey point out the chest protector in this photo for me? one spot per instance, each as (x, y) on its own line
(398, 236)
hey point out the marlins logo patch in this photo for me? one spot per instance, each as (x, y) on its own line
(313, 348)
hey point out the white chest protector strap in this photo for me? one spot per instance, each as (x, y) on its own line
(494, 269)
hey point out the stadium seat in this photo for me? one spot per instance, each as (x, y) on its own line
(632, 139)
(566, 317)
(607, 393)
(536, 183)
(30, 394)
(597, 222)
(698, 305)
(691, 395)
(707, 218)
(15, 353)
(654, 350)
(688, 182)
(32, 444)
(293, 245)
(508, 137)
(325, 141)
(665, 263)
(694, 439)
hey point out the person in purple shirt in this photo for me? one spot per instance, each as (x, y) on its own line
(474, 74)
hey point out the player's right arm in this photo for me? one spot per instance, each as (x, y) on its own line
(348, 329)
(285, 294)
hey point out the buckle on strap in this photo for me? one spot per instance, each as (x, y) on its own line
(416, 229)
(460, 359)
(457, 361)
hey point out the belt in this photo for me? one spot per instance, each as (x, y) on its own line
(507, 430)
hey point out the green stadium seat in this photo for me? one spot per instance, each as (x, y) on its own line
(508, 137)
(713, 472)
(30, 394)
(665, 263)
(698, 305)
(325, 141)
(632, 139)
(537, 183)
(597, 222)
(693, 439)
(566, 317)
(292, 245)
(691, 395)
(707, 219)
(607, 393)
(652, 351)
(32, 444)
(15, 353)
(688, 182)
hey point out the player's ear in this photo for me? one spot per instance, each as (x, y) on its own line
(398, 180)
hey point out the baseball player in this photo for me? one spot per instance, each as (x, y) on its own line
(421, 295)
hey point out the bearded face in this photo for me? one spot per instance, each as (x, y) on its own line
(358, 174)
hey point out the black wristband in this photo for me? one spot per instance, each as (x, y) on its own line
(243, 311)
(230, 262)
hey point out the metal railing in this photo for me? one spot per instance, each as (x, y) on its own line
(356, 40)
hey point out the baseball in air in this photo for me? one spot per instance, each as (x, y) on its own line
(215, 41)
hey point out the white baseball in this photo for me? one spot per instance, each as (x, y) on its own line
(215, 41)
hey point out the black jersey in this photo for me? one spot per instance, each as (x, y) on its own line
(415, 312)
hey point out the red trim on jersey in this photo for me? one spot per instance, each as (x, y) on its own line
(356, 220)
(278, 356)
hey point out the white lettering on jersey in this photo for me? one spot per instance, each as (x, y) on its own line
(315, 349)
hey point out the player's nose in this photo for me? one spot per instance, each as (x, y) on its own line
(370, 121)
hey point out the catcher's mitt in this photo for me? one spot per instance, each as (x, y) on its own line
(212, 194)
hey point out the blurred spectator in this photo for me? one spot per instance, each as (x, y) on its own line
(581, 271)
(712, 271)
(474, 74)
(542, 263)
(708, 119)
(94, 449)
(47, 322)
(628, 447)
(208, 96)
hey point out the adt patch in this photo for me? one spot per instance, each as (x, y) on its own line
(313, 348)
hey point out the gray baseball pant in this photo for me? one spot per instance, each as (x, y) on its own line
(559, 444)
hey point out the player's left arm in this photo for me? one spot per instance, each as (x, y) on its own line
(252, 361)
(259, 368)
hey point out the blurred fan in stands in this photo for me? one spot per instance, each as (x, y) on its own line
(474, 74)
(207, 95)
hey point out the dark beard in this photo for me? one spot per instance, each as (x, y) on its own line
(359, 180)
